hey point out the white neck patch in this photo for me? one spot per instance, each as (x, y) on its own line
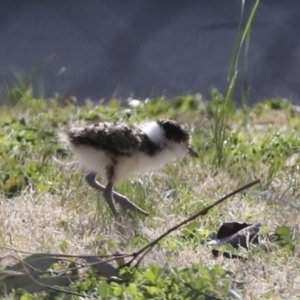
(154, 131)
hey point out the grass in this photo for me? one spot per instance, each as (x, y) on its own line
(47, 207)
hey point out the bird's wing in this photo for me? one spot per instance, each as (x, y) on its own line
(117, 139)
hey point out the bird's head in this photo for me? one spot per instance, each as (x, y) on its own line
(176, 138)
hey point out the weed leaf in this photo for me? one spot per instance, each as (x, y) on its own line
(103, 268)
(38, 261)
(237, 235)
(15, 280)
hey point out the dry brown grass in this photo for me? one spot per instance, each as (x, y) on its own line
(76, 220)
(41, 223)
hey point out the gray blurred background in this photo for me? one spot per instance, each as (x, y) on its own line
(147, 48)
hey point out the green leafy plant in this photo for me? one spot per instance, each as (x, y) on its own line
(222, 106)
(46, 206)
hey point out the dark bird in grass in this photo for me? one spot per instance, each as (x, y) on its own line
(116, 150)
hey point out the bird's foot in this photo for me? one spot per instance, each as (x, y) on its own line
(126, 204)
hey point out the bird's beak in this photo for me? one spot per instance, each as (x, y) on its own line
(193, 153)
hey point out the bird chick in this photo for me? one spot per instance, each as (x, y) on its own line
(116, 150)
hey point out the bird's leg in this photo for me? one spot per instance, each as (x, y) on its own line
(123, 201)
(108, 196)
(107, 191)
(91, 180)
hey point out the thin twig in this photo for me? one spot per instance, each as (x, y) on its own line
(141, 253)
(193, 217)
